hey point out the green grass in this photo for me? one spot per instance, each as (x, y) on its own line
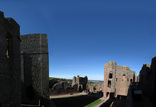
(68, 96)
(93, 85)
(93, 104)
(52, 78)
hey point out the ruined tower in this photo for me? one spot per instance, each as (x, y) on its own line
(35, 69)
(80, 82)
(10, 79)
(147, 83)
(117, 79)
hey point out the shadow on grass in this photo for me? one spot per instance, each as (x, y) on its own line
(115, 102)
(79, 101)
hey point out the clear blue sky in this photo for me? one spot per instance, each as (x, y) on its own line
(83, 35)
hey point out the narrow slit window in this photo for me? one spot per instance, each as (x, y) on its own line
(9, 51)
(109, 84)
(131, 80)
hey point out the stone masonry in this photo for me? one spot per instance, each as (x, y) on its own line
(80, 83)
(147, 83)
(35, 69)
(10, 73)
(117, 79)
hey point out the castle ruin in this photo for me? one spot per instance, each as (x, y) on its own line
(24, 66)
(147, 83)
(10, 71)
(80, 83)
(117, 79)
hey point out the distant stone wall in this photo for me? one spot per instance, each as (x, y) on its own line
(35, 68)
(61, 87)
(117, 79)
(95, 87)
(80, 83)
(10, 81)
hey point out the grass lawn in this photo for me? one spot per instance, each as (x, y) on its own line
(93, 104)
(75, 101)
(68, 96)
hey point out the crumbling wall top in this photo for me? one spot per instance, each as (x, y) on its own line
(110, 63)
(154, 59)
(10, 25)
(1, 14)
(147, 65)
(32, 34)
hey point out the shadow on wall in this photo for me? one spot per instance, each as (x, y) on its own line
(114, 102)
(30, 96)
(27, 89)
(40, 102)
(98, 94)
(109, 100)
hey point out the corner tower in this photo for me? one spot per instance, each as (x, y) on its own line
(109, 78)
(35, 69)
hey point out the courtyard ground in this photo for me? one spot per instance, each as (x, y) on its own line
(77, 100)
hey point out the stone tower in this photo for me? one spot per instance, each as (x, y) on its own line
(117, 79)
(80, 83)
(147, 83)
(35, 69)
(10, 79)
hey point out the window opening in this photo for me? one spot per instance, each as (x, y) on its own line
(110, 75)
(109, 84)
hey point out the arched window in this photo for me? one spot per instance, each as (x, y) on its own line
(123, 77)
(109, 83)
(110, 75)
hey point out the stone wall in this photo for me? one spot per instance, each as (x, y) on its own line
(109, 70)
(35, 68)
(61, 87)
(95, 87)
(117, 79)
(147, 81)
(10, 75)
(144, 77)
